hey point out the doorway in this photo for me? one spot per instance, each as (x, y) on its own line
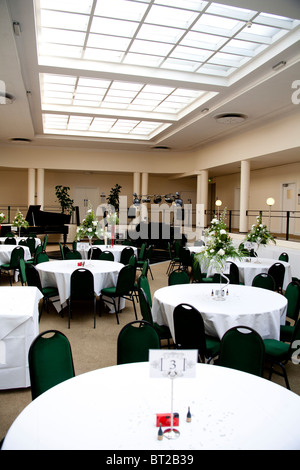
(288, 204)
(84, 196)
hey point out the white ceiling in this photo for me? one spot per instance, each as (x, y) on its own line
(256, 91)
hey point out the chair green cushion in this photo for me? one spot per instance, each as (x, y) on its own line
(5, 266)
(49, 291)
(207, 279)
(276, 349)
(110, 291)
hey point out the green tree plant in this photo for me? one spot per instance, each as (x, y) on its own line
(113, 197)
(66, 203)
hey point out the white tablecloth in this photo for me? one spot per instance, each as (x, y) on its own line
(37, 240)
(5, 253)
(83, 249)
(260, 309)
(249, 269)
(115, 408)
(58, 273)
(18, 328)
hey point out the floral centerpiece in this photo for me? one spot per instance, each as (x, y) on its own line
(2, 217)
(20, 221)
(89, 226)
(218, 248)
(258, 235)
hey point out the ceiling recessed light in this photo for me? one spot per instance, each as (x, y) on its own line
(161, 147)
(6, 98)
(20, 139)
(230, 118)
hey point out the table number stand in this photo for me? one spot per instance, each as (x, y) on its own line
(173, 364)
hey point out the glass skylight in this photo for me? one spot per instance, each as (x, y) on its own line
(189, 37)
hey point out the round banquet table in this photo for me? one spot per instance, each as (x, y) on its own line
(230, 410)
(18, 239)
(260, 309)
(5, 253)
(58, 273)
(250, 267)
(116, 250)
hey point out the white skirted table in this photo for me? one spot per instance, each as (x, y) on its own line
(260, 309)
(116, 250)
(18, 328)
(6, 250)
(58, 273)
(114, 409)
(18, 239)
(250, 267)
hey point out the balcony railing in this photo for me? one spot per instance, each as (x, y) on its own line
(284, 219)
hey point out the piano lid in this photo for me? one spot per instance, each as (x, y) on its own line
(36, 217)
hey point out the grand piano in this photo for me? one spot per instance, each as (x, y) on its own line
(46, 222)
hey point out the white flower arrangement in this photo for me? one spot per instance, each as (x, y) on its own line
(258, 234)
(89, 226)
(2, 217)
(20, 221)
(218, 247)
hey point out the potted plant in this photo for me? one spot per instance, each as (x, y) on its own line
(113, 197)
(66, 203)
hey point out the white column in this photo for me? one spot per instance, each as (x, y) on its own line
(136, 183)
(40, 187)
(144, 184)
(244, 195)
(31, 187)
(144, 208)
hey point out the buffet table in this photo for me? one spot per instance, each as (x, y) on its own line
(115, 408)
(260, 309)
(18, 328)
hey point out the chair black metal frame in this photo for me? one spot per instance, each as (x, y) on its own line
(190, 332)
(280, 353)
(16, 254)
(277, 271)
(163, 331)
(178, 276)
(292, 294)
(82, 289)
(123, 289)
(174, 261)
(50, 361)
(33, 279)
(242, 348)
(264, 281)
(126, 253)
(134, 342)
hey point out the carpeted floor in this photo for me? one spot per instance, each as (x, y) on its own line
(95, 348)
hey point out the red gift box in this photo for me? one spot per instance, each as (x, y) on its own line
(164, 419)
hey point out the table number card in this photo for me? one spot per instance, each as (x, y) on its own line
(173, 364)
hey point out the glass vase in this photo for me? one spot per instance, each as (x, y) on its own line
(220, 294)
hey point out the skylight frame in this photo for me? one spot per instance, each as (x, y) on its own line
(141, 36)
